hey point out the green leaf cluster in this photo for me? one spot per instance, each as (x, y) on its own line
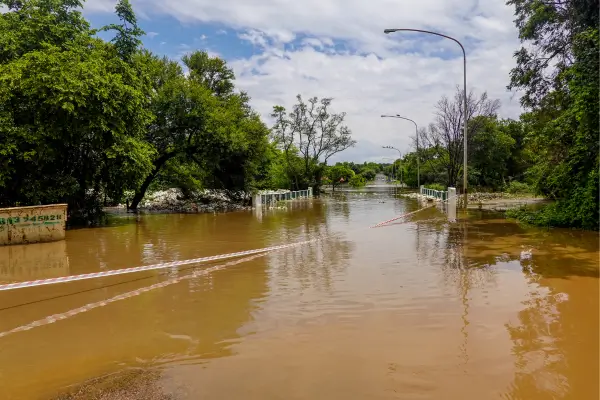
(562, 126)
(82, 120)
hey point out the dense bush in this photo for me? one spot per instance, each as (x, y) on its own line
(515, 187)
(357, 181)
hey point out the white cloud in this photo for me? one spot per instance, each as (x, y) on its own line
(100, 6)
(376, 73)
(366, 86)
(152, 35)
(255, 37)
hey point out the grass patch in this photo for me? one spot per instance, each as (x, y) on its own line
(562, 214)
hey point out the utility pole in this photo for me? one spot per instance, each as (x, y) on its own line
(465, 108)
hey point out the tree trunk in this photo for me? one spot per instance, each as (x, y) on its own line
(139, 194)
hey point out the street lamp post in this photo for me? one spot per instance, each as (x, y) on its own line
(386, 31)
(417, 135)
(400, 155)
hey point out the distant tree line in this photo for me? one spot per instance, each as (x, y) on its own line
(353, 174)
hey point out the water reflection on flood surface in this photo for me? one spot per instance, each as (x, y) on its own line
(478, 309)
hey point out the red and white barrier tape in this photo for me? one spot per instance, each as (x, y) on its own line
(405, 215)
(58, 317)
(61, 316)
(71, 278)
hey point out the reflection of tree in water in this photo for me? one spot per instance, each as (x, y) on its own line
(541, 366)
(313, 264)
(556, 338)
(555, 341)
(450, 243)
(340, 205)
(150, 239)
(441, 240)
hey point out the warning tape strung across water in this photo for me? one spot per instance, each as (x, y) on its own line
(420, 221)
(406, 215)
(71, 278)
(61, 316)
(93, 275)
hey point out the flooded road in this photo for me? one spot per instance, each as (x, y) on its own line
(478, 309)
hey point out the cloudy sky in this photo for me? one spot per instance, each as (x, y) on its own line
(337, 48)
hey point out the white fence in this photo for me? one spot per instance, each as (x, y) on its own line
(448, 199)
(436, 194)
(271, 198)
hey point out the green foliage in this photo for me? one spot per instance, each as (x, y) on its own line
(83, 120)
(273, 170)
(516, 187)
(346, 170)
(444, 139)
(338, 174)
(579, 211)
(200, 119)
(211, 72)
(179, 172)
(357, 181)
(313, 133)
(490, 151)
(548, 30)
(369, 174)
(370, 168)
(127, 38)
(562, 122)
(73, 112)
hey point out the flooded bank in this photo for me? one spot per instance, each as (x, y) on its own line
(482, 308)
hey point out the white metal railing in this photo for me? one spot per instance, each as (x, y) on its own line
(436, 194)
(271, 198)
(448, 200)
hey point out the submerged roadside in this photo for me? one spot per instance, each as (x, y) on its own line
(129, 384)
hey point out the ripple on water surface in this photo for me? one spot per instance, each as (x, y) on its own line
(482, 308)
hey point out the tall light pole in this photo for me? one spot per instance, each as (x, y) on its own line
(400, 155)
(386, 31)
(417, 135)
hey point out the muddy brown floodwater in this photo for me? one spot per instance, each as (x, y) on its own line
(478, 309)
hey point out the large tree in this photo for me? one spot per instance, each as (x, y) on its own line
(338, 174)
(557, 68)
(73, 109)
(200, 119)
(446, 133)
(315, 132)
(490, 154)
